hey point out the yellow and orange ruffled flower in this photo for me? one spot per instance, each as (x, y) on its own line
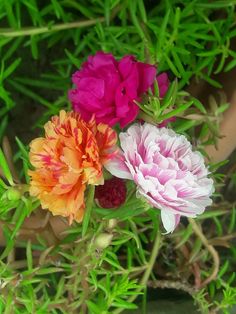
(66, 160)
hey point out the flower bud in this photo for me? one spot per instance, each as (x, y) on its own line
(111, 223)
(112, 194)
(13, 194)
(103, 240)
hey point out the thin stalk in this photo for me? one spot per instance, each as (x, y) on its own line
(29, 31)
(155, 251)
(89, 206)
(8, 154)
(22, 263)
(125, 271)
(168, 284)
(147, 273)
(212, 251)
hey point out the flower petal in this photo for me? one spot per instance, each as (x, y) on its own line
(169, 220)
(117, 167)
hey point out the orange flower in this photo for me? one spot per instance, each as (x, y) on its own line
(69, 157)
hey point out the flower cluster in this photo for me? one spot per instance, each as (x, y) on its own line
(167, 172)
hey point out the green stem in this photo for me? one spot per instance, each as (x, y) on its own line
(155, 250)
(29, 31)
(147, 273)
(125, 271)
(88, 210)
(146, 117)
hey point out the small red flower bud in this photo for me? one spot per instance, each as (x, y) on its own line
(112, 194)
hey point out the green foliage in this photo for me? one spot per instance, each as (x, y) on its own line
(41, 44)
(113, 294)
(221, 291)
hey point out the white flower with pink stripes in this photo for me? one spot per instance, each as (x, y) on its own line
(168, 173)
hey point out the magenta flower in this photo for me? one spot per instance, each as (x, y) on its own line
(167, 172)
(107, 88)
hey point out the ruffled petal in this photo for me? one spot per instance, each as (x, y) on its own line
(169, 220)
(118, 168)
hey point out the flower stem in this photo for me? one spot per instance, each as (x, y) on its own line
(126, 271)
(168, 284)
(147, 273)
(89, 206)
(212, 251)
(155, 250)
(146, 117)
(29, 31)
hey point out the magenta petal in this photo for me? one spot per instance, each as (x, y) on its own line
(92, 85)
(112, 81)
(131, 84)
(76, 77)
(122, 104)
(109, 120)
(147, 74)
(88, 101)
(102, 59)
(86, 116)
(72, 95)
(125, 65)
(163, 84)
(162, 79)
(131, 115)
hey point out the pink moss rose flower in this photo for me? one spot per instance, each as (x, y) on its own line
(168, 173)
(108, 88)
